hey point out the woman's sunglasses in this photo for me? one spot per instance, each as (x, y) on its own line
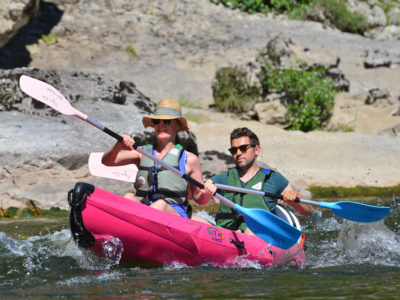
(157, 121)
(242, 148)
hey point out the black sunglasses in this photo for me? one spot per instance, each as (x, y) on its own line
(242, 148)
(157, 121)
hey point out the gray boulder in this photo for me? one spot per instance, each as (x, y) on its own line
(13, 15)
(43, 153)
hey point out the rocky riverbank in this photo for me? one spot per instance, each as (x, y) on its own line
(175, 49)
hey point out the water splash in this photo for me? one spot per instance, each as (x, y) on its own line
(370, 243)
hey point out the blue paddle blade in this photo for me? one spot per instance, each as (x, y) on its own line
(269, 227)
(357, 212)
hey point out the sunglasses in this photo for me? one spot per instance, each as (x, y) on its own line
(157, 121)
(242, 148)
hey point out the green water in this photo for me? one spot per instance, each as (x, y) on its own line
(345, 260)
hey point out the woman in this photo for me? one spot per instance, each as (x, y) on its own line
(156, 186)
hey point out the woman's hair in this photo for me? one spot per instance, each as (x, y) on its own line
(244, 131)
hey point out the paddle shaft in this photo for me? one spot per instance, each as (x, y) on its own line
(263, 194)
(159, 161)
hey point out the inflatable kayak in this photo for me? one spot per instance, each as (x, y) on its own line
(147, 236)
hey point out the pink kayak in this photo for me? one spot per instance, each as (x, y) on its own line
(152, 237)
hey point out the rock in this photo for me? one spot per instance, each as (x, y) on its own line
(39, 146)
(389, 32)
(75, 86)
(391, 131)
(13, 15)
(394, 16)
(375, 94)
(272, 112)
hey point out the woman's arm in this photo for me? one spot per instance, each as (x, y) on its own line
(193, 169)
(115, 157)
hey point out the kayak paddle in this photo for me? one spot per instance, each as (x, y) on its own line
(352, 211)
(125, 173)
(264, 224)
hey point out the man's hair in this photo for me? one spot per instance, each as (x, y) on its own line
(244, 131)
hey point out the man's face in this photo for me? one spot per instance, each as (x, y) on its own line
(243, 152)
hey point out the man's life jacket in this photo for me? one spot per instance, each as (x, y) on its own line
(227, 217)
(155, 182)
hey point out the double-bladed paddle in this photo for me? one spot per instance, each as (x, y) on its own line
(352, 211)
(264, 224)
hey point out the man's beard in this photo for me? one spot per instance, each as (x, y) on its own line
(244, 167)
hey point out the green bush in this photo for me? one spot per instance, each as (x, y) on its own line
(262, 6)
(232, 91)
(341, 17)
(131, 50)
(319, 192)
(250, 6)
(310, 95)
(49, 39)
(335, 11)
(55, 212)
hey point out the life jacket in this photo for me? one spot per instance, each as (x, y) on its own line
(155, 182)
(228, 217)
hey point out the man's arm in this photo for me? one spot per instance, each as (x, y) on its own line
(289, 195)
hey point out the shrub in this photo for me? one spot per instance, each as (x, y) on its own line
(250, 6)
(310, 95)
(232, 91)
(131, 50)
(49, 39)
(335, 11)
(340, 16)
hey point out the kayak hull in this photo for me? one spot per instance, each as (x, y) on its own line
(106, 223)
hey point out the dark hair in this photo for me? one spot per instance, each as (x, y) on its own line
(244, 131)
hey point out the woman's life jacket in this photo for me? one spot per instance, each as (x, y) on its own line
(155, 182)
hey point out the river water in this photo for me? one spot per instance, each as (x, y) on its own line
(344, 260)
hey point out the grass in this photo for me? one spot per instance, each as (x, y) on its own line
(189, 103)
(197, 118)
(20, 213)
(343, 128)
(49, 39)
(319, 192)
(131, 50)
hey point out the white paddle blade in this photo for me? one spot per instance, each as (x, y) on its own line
(48, 95)
(123, 173)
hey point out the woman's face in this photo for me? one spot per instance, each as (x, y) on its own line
(166, 129)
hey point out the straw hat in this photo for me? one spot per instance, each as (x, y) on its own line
(167, 110)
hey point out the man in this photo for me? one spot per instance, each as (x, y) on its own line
(245, 147)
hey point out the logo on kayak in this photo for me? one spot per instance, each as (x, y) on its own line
(216, 234)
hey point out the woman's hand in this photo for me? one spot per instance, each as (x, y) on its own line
(209, 188)
(127, 143)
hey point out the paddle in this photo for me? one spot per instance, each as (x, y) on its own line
(125, 173)
(264, 224)
(352, 211)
